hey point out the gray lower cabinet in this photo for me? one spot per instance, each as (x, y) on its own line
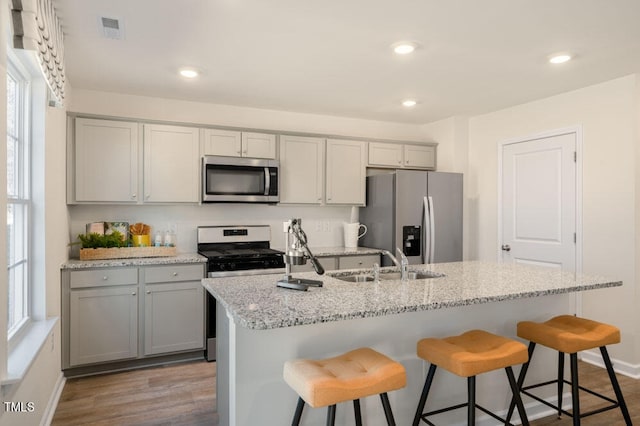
(331, 263)
(105, 319)
(104, 324)
(173, 315)
(357, 262)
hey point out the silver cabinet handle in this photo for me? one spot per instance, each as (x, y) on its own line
(175, 274)
(148, 291)
(506, 247)
(133, 196)
(105, 278)
(133, 294)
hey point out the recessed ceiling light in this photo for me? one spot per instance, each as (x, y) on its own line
(409, 103)
(188, 73)
(404, 47)
(559, 58)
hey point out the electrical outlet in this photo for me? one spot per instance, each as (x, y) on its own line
(325, 227)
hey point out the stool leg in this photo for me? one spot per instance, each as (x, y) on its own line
(575, 389)
(387, 409)
(515, 390)
(425, 392)
(521, 376)
(616, 386)
(331, 415)
(560, 381)
(356, 410)
(471, 408)
(298, 413)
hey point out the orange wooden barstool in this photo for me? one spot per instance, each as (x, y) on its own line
(348, 377)
(568, 334)
(468, 355)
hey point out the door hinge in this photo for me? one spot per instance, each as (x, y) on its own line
(575, 156)
(575, 238)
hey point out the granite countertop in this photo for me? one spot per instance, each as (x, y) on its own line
(255, 302)
(343, 251)
(135, 261)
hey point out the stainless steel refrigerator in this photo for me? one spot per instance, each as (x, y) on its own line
(418, 211)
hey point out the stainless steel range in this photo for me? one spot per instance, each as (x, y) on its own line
(234, 251)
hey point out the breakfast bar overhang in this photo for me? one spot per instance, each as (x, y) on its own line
(260, 326)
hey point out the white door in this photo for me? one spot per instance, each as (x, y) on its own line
(539, 202)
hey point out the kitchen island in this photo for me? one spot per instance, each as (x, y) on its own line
(260, 326)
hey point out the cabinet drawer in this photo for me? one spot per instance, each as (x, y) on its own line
(354, 262)
(103, 277)
(172, 273)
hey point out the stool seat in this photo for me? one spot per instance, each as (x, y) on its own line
(472, 353)
(350, 376)
(569, 334)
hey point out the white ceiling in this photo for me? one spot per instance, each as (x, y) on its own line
(334, 56)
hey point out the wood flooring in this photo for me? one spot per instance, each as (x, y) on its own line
(184, 394)
(175, 394)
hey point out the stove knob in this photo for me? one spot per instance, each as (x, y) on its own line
(232, 266)
(266, 264)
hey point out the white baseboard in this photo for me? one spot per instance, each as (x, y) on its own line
(50, 410)
(620, 367)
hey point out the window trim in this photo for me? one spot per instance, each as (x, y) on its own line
(18, 72)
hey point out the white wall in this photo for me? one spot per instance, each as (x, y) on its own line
(44, 375)
(323, 225)
(608, 115)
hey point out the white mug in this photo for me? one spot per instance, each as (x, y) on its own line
(352, 233)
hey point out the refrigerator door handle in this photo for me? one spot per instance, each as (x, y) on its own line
(426, 233)
(432, 231)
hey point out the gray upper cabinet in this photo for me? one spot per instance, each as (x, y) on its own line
(106, 161)
(301, 170)
(126, 162)
(171, 164)
(346, 172)
(231, 143)
(396, 155)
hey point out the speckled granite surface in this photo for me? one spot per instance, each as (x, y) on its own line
(256, 303)
(138, 261)
(343, 251)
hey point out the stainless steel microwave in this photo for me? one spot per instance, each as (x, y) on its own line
(239, 180)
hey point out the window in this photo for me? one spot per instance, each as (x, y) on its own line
(18, 198)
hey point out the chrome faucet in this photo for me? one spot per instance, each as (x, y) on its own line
(404, 264)
(391, 256)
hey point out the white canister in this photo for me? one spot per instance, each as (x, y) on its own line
(352, 232)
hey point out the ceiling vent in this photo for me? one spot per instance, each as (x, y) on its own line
(112, 28)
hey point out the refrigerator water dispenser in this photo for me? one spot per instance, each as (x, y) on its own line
(411, 240)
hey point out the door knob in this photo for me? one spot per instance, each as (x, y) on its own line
(506, 247)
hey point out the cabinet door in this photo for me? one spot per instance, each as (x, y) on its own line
(103, 324)
(346, 172)
(356, 262)
(174, 317)
(420, 156)
(301, 170)
(171, 164)
(221, 142)
(258, 145)
(385, 154)
(106, 161)
(329, 263)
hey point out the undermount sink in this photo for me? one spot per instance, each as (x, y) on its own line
(411, 275)
(360, 278)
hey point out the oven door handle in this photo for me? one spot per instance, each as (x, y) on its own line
(267, 181)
